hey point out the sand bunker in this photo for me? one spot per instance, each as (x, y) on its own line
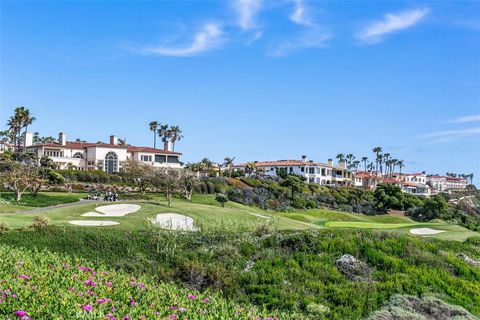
(93, 223)
(113, 210)
(425, 231)
(174, 221)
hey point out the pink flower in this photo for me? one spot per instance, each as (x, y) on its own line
(21, 313)
(182, 309)
(82, 268)
(126, 318)
(87, 308)
(141, 285)
(89, 282)
(173, 316)
(108, 284)
(24, 277)
(206, 300)
(132, 284)
(133, 302)
(191, 296)
(102, 301)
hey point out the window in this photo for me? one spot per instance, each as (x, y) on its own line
(302, 169)
(78, 155)
(172, 159)
(160, 158)
(311, 170)
(53, 153)
(111, 162)
(146, 158)
(323, 172)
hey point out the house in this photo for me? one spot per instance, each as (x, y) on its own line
(108, 157)
(443, 183)
(367, 180)
(411, 183)
(314, 172)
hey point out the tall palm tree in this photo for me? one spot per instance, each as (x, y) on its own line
(350, 157)
(153, 125)
(400, 166)
(378, 152)
(364, 160)
(370, 166)
(340, 157)
(27, 118)
(164, 132)
(386, 158)
(176, 135)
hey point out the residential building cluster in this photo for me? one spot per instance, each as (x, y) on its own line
(330, 174)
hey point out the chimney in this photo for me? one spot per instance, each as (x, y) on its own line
(304, 158)
(342, 164)
(330, 162)
(62, 138)
(27, 139)
(167, 146)
(113, 139)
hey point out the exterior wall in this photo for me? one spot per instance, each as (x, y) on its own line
(169, 159)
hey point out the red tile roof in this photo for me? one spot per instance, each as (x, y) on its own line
(81, 145)
(285, 163)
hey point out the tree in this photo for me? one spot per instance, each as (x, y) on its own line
(164, 132)
(250, 168)
(228, 163)
(220, 197)
(294, 183)
(364, 160)
(46, 162)
(153, 125)
(340, 157)
(400, 166)
(167, 182)
(123, 142)
(16, 176)
(175, 135)
(378, 157)
(350, 157)
(140, 173)
(187, 183)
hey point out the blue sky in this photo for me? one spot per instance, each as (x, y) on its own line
(257, 80)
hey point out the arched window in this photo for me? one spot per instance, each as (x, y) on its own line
(78, 155)
(111, 162)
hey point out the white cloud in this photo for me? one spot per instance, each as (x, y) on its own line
(314, 38)
(376, 31)
(246, 11)
(451, 135)
(299, 14)
(207, 38)
(470, 118)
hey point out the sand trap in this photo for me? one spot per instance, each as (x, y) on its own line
(93, 223)
(425, 231)
(113, 210)
(174, 221)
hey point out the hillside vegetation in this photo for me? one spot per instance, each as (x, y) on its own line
(294, 272)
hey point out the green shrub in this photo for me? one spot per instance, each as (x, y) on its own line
(4, 227)
(40, 222)
(299, 203)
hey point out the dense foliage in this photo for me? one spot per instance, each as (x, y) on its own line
(294, 272)
(45, 285)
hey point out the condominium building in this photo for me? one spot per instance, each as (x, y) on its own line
(443, 183)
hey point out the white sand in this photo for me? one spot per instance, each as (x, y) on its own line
(113, 210)
(93, 223)
(174, 221)
(258, 215)
(425, 231)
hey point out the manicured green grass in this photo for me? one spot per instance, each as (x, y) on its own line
(368, 225)
(43, 199)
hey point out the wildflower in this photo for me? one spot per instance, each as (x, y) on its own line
(141, 285)
(102, 301)
(126, 318)
(192, 296)
(89, 282)
(82, 268)
(206, 300)
(24, 277)
(132, 284)
(21, 313)
(182, 309)
(133, 302)
(173, 316)
(108, 284)
(87, 308)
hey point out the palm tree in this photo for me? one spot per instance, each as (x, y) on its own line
(377, 151)
(386, 158)
(370, 166)
(350, 158)
(364, 160)
(228, 162)
(355, 165)
(153, 125)
(123, 142)
(340, 157)
(27, 118)
(471, 178)
(175, 134)
(164, 132)
(400, 166)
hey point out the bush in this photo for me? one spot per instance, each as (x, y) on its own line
(4, 227)
(220, 197)
(40, 222)
(299, 203)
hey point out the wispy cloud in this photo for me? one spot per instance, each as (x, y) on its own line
(376, 31)
(246, 12)
(314, 38)
(207, 38)
(299, 14)
(470, 118)
(312, 35)
(451, 135)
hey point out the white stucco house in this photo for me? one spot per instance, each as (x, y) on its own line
(443, 183)
(108, 157)
(314, 172)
